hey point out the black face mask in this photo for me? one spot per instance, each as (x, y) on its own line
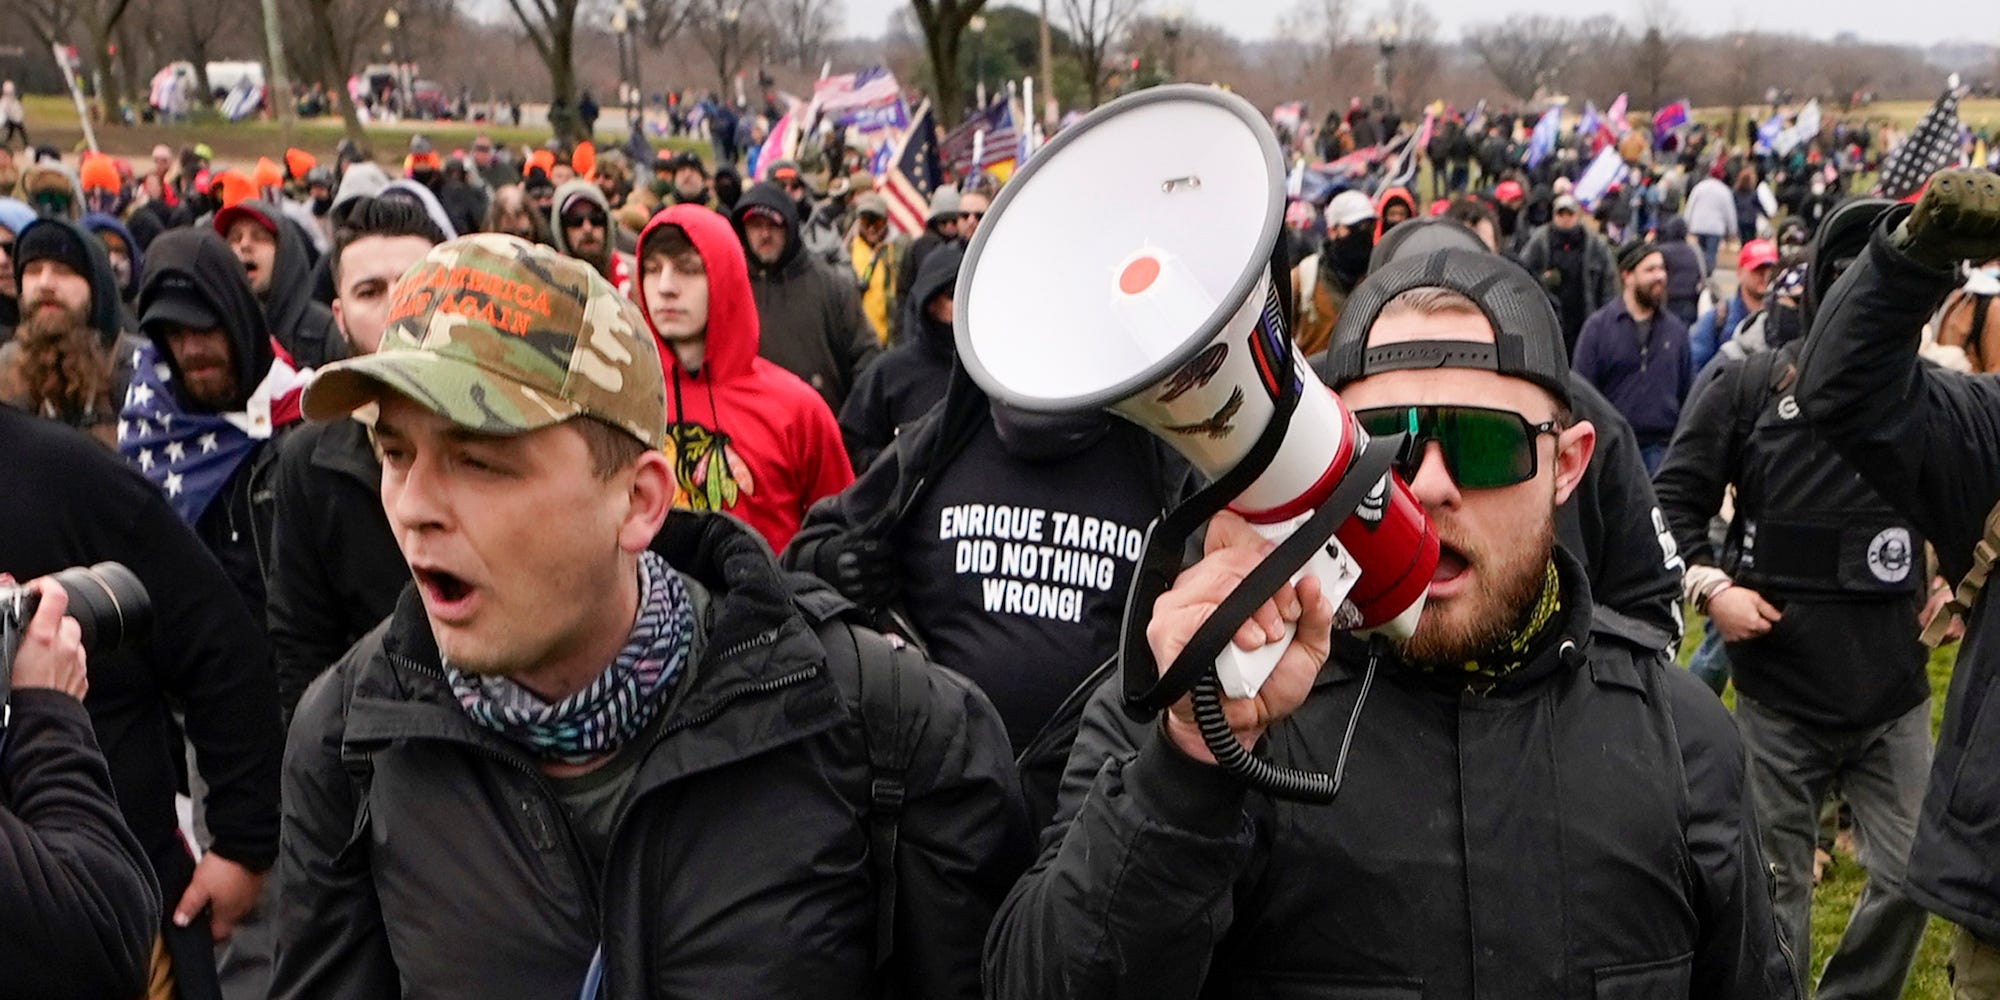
(1348, 255)
(1786, 324)
(1041, 437)
(322, 204)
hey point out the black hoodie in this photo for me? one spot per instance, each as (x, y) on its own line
(301, 324)
(237, 525)
(811, 317)
(913, 375)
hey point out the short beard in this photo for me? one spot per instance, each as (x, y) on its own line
(1496, 607)
(63, 370)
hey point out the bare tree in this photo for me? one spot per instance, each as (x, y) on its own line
(191, 29)
(49, 21)
(729, 30)
(1743, 64)
(1096, 26)
(943, 23)
(1526, 55)
(331, 43)
(802, 29)
(661, 21)
(1658, 49)
(551, 29)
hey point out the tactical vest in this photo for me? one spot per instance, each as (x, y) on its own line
(1805, 523)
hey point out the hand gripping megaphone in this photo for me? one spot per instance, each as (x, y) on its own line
(1133, 265)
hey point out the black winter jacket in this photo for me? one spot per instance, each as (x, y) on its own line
(911, 377)
(1845, 654)
(70, 503)
(236, 526)
(81, 907)
(809, 317)
(1929, 441)
(1583, 831)
(739, 866)
(335, 566)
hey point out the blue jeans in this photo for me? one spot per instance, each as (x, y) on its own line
(1709, 246)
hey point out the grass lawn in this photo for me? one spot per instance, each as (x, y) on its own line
(52, 121)
(1834, 898)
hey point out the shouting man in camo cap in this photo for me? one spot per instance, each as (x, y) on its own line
(602, 741)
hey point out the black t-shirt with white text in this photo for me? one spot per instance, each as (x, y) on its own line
(1015, 572)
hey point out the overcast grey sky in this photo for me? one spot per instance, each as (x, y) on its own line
(1912, 21)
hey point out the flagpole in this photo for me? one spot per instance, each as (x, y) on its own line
(1048, 115)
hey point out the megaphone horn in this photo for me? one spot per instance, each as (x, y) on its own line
(1132, 264)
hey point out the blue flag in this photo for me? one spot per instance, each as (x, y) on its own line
(1542, 141)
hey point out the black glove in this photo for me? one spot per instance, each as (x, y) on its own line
(864, 570)
(1958, 218)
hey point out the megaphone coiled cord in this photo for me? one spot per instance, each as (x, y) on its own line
(1277, 780)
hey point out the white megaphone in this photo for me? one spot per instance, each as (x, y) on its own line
(1127, 266)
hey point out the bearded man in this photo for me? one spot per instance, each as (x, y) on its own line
(1533, 804)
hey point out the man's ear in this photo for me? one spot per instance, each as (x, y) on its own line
(1574, 446)
(651, 495)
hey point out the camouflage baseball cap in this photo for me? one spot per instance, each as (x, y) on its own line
(502, 336)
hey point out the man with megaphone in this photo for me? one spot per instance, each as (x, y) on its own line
(1378, 741)
(1530, 807)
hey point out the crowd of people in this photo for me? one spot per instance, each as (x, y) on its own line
(593, 572)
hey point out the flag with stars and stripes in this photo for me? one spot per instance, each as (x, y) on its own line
(191, 456)
(1932, 146)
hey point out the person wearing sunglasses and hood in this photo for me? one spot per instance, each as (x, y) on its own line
(581, 225)
(1819, 592)
(811, 315)
(1513, 719)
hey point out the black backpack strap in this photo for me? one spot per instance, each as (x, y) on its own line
(892, 697)
(357, 760)
(886, 712)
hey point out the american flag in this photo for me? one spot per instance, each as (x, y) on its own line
(913, 173)
(1931, 147)
(191, 456)
(1001, 145)
(850, 95)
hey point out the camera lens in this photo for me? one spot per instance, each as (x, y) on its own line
(109, 602)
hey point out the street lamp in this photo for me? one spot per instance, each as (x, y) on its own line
(1170, 29)
(978, 28)
(1387, 33)
(392, 20)
(732, 17)
(633, 16)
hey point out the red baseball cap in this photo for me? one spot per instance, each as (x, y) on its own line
(1756, 254)
(1507, 191)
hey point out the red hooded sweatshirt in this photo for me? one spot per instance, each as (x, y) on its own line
(753, 439)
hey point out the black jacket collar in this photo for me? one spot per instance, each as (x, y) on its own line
(761, 681)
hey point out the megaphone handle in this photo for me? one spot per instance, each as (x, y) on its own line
(1241, 672)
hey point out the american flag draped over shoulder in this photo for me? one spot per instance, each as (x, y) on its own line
(191, 456)
(1931, 147)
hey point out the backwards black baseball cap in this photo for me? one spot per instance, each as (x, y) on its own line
(1527, 340)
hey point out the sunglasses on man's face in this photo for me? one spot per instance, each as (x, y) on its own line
(1482, 448)
(584, 219)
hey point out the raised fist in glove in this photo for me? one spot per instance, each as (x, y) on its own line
(864, 569)
(1958, 218)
